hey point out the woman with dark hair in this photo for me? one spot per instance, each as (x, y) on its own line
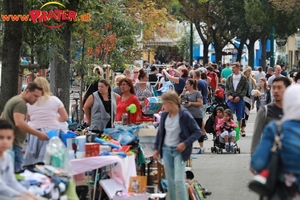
(152, 76)
(179, 82)
(126, 99)
(214, 78)
(192, 100)
(142, 87)
(205, 77)
(216, 70)
(98, 71)
(297, 77)
(98, 108)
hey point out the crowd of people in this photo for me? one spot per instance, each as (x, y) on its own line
(194, 89)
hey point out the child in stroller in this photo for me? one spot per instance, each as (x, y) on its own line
(225, 130)
(211, 127)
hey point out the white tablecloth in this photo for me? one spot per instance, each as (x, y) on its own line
(122, 172)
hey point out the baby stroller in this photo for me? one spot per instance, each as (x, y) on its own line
(218, 141)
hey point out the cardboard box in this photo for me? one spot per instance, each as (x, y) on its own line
(146, 135)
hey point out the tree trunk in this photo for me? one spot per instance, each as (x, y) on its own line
(250, 47)
(219, 44)
(60, 69)
(240, 50)
(218, 53)
(205, 43)
(81, 71)
(264, 52)
(11, 51)
(205, 52)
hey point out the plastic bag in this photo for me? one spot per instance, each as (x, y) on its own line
(57, 155)
(124, 134)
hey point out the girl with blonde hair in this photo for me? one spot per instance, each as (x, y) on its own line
(46, 113)
(44, 84)
(174, 142)
(262, 95)
(248, 98)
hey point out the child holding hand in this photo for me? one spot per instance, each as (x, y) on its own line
(9, 186)
(225, 128)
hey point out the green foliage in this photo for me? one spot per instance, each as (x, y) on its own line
(110, 37)
(261, 15)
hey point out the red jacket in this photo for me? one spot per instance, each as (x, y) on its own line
(220, 93)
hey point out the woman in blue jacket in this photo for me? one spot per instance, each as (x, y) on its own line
(174, 142)
(289, 177)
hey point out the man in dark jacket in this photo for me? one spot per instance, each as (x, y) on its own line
(236, 89)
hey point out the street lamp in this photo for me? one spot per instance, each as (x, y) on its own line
(272, 60)
(148, 49)
(191, 45)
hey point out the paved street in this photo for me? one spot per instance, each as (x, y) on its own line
(226, 175)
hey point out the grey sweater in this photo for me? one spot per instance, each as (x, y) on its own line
(99, 116)
(9, 186)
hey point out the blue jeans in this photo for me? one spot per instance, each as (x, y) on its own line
(18, 158)
(175, 172)
(237, 108)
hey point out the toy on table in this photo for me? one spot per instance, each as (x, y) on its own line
(131, 109)
(109, 139)
(152, 105)
(101, 141)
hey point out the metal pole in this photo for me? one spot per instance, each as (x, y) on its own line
(191, 45)
(272, 59)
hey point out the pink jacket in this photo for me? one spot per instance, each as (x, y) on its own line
(220, 125)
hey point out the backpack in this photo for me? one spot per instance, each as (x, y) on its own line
(209, 125)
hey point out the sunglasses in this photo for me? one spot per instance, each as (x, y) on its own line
(136, 72)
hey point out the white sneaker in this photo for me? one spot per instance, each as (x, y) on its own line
(201, 150)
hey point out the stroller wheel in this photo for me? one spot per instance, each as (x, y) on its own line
(234, 151)
(220, 150)
(212, 150)
(239, 150)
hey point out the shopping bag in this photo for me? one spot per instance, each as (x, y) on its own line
(237, 130)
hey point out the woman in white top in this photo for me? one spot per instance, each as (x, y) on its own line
(47, 113)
